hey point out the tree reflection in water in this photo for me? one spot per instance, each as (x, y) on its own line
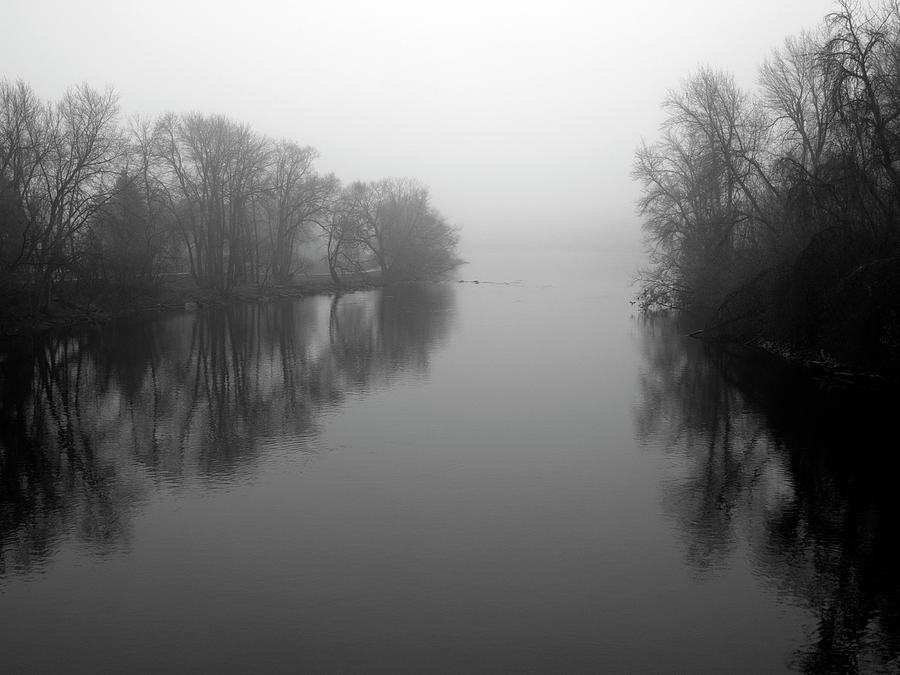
(91, 419)
(806, 475)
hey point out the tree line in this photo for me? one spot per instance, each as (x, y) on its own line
(773, 212)
(90, 203)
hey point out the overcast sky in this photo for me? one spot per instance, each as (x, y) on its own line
(522, 117)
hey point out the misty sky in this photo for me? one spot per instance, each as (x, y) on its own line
(522, 117)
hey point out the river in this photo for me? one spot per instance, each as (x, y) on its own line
(515, 475)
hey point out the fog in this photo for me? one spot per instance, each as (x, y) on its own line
(521, 118)
(252, 420)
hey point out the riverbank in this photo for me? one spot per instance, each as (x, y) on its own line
(821, 368)
(174, 292)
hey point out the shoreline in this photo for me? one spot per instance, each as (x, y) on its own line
(825, 371)
(180, 293)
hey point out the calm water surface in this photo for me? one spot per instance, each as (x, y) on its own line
(515, 475)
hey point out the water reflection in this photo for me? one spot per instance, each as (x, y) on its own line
(90, 421)
(801, 478)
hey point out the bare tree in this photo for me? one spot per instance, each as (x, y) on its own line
(343, 248)
(21, 147)
(394, 221)
(297, 198)
(795, 91)
(215, 175)
(862, 64)
(706, 191)
(60, 162)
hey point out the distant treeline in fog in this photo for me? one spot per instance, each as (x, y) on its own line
(90, 204)
(775, 213)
